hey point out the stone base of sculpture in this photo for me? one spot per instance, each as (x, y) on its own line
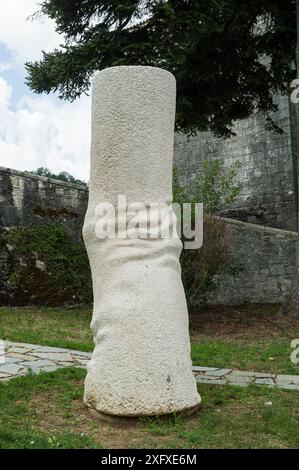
(134, 420)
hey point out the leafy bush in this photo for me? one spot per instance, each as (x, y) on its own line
(47, 267)
(202, 269)
(212, 187)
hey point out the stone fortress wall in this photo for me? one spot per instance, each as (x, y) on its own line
(266, 259)
(264, 229)
(266, 175)
(26, 199)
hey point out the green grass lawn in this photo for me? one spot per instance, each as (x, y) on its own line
(47, 411)
(255, 338)
(65, 328)
(264, 356)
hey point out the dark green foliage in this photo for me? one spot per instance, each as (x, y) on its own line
(213, 188)
(62, 176)
(215, 48)
(66, 275)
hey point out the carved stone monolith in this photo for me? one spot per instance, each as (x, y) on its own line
(141, 363)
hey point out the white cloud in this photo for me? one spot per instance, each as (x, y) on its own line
(5, 66)
(40, 132)
(37, 131)
(5, 93)
(25, 38)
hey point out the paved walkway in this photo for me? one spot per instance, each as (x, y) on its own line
(20, 358)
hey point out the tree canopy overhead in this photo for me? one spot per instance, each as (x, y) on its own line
(229, 57)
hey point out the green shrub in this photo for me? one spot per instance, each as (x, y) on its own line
(47, 267)
(215, 188)
(204, 269)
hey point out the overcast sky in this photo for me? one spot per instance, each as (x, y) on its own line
(36, 130)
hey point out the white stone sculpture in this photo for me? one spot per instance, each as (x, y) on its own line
(141, 362)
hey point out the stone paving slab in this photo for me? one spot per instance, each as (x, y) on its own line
(20, 358)
(244, 378)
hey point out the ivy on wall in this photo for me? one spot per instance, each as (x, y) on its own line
(46, 266)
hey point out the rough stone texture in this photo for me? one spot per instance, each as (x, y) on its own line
(27, 199)
(266, 177)
(141, 363)
(266, 257)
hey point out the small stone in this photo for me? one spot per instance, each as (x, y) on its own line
(287, 380)
(11, 369)
(268, 403)
(238, 379)
(205, 379)
(55, 356)
(50, 349)
(14, 355)
(244, 373)
(40, 265)
(203, 369)
(79, 353)
(264, 375)
(219, 372)
(83, 362)
(11, 360)
(265, 381)
(37, 364)
(18, 350)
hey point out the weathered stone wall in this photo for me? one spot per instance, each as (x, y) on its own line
(266, 257)
(266, 177)
(26, 199)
